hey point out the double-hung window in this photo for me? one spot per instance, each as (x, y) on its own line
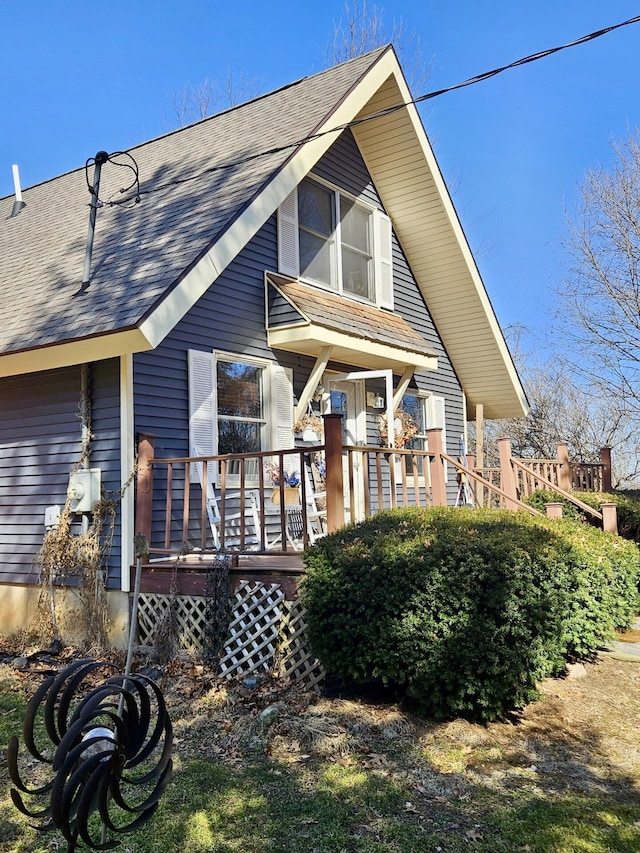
(241, 409)
(329, 238)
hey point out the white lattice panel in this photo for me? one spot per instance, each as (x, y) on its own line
(253, 632)
(266, 632)
(294, 660)
(189, 617)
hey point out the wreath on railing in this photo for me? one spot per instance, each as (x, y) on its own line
(404, 429)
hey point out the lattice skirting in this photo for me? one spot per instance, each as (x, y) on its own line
(266, 632)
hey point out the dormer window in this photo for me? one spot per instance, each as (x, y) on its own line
(329, 238)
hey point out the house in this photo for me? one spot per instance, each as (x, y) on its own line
(297, 251)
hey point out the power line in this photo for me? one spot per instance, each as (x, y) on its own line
(478, 78)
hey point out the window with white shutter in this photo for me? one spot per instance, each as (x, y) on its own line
(332, 239)
(238, 405)
(202, 406)
(288, 252)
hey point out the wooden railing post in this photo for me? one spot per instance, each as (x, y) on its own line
(144, 486)
(436, 467)
(334, 476)
(564, 475)
(554, 510)
(609, 517)
(507, 474)
(605, 460)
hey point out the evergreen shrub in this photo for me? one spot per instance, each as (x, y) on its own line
(464, 609)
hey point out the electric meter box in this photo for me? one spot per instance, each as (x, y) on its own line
(84, 489)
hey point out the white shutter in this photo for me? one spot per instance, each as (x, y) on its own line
(202, 407)
(282, 408)
(288, 253)
(438, 415)
(383, 260)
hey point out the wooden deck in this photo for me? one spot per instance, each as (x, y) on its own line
(191, 572)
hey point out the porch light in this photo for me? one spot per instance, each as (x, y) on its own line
(378, 402)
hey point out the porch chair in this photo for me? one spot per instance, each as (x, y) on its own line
(294, 516)
(235, 519)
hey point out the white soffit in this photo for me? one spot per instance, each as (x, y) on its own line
(398, 155)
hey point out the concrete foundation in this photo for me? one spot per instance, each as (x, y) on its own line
(19, 612)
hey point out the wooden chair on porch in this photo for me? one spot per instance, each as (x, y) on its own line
(237, 518)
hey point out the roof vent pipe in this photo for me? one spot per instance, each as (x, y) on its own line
(100, 158)
(18, 204)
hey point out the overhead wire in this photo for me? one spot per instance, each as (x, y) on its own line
(478, 78)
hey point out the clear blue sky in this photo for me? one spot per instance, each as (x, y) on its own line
(77, 77)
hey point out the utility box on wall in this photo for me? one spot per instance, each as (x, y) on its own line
(84, 489)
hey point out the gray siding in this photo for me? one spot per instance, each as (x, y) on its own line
(39, 444)
(104, 379)
(281, 312)
(230, 317)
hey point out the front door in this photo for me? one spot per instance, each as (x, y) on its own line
(348, 400)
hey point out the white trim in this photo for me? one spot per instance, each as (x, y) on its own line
(127, 460)
(75, 352)
(307, 339)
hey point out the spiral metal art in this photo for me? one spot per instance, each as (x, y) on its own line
(109, 758)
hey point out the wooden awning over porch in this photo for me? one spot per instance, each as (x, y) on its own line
(306, 320)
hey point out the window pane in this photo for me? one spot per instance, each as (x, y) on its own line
(315, 257)
(354, 225)
(356, 276)
(238, 437)
(414, 406)
(315, 208)
(356, 249)
(239, 390)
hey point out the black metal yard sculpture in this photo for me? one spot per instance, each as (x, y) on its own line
(108, 762)
(108, 756)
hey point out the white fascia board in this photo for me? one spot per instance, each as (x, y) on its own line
(73, 352)
(195, 283)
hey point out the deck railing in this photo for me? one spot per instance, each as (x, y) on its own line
(252, 512)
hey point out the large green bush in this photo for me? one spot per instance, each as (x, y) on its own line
(464, 609)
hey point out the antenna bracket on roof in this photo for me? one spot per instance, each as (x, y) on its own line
(99, 160)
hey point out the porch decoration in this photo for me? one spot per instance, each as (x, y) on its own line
(404, 429)
(310, 427)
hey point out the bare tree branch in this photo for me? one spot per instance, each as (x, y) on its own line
(197, 101)
(362, 28)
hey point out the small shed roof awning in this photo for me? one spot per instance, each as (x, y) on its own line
(306, 319)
